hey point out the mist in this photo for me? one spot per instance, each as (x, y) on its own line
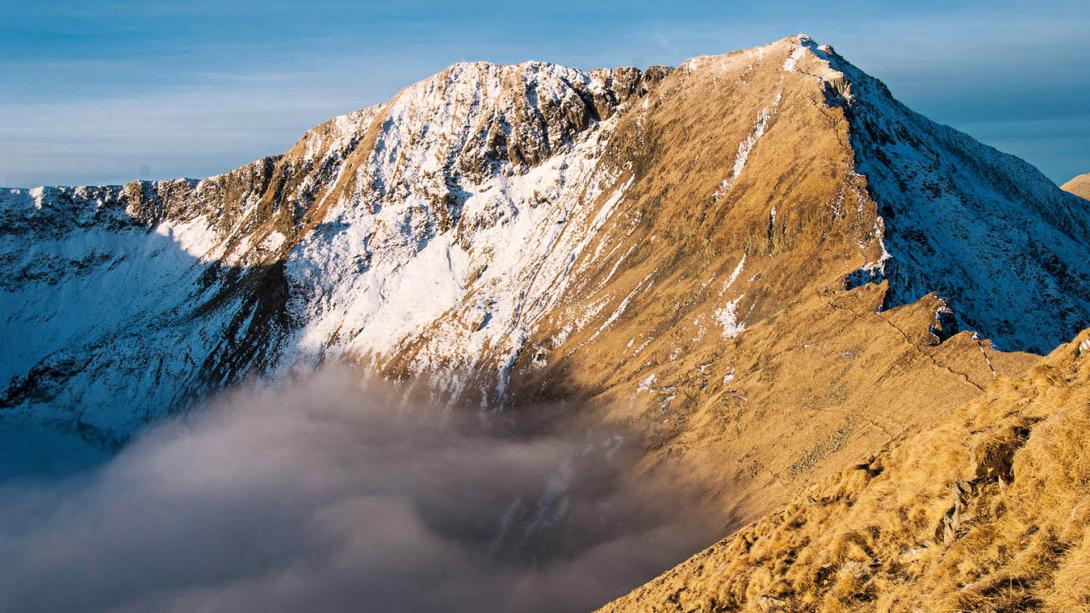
(326, 494)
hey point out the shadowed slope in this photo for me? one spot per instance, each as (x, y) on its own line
(759, 262)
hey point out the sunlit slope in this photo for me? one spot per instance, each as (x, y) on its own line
(490, 229)
(1080, 186)
(988, 510)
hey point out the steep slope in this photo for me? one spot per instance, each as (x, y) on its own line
(1080, 186)
(956, 213)
(202, 291)
(986, 511)
(122, 303)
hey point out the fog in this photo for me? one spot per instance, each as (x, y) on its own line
(329, 495)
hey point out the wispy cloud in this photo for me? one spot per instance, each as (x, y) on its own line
(665, 43)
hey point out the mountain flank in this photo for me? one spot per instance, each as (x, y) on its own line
(985, 511)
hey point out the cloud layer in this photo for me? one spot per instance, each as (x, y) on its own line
(325, 496)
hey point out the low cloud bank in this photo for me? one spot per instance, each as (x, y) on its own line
(323, 495)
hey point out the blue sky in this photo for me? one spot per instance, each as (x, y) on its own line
(107, 91)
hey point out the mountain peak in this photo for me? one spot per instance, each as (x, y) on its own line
(1080, 186)
(760, 265)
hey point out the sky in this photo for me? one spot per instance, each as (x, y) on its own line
(108, 91)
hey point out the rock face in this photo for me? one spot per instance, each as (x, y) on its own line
(1080, 186)
(148, 295)
(505, 234)
(969, 222)
(759, 262)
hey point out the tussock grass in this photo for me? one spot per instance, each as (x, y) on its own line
(988, 511)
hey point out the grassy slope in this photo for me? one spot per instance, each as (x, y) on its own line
(819, 375)
(986, 511)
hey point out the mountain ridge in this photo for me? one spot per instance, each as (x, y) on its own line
(493, 127)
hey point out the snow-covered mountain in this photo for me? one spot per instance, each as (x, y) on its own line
(508, 233)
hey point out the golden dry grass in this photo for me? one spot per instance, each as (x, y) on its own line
(819, 378)
(819, 375)
(988, 511)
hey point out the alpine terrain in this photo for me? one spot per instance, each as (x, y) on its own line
(827, 310)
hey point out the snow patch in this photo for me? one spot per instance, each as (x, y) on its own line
(764, 116)
(727, 318)
(792, 61)
(621, 307)
(734, 275)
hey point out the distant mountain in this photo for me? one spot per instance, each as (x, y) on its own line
(1080, 186)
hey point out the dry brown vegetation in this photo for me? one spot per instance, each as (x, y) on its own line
(819, 376)
(987, 511)
(978, 499)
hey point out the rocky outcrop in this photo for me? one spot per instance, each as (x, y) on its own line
(711, 255)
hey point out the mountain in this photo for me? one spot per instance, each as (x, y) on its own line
(153, 293)
(1080, 186)
(986, 511)
(759, 262)
(488, 226)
